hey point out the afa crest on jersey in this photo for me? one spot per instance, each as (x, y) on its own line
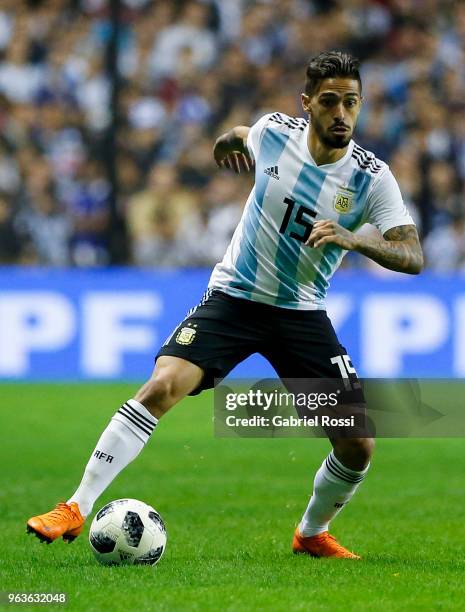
(186, 336)
(343, 201)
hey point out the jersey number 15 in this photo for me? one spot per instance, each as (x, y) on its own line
(298, 220)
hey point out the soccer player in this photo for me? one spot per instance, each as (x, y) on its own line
(314, 186)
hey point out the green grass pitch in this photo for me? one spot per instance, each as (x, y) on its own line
(230, 507)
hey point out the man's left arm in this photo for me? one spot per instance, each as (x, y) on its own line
(398, 250)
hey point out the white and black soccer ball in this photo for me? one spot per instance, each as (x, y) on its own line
(127, 532)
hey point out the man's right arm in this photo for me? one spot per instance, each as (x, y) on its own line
(231, 151)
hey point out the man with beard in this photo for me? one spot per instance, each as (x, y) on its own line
(314, 186)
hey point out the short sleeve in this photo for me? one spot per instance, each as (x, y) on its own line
(385, 206)
(254, 136)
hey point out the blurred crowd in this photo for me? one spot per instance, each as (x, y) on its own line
(189, 71)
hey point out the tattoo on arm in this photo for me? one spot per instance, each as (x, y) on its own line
(400, 250)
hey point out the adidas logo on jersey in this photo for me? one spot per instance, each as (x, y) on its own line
(273, 172)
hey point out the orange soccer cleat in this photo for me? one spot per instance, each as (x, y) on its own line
(64, 520)
(321, 545)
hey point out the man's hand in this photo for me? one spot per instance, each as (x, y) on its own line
(230, 150)
(398, 250)
(327, 231)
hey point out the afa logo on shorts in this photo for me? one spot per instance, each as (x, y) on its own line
(186, 336)
(343, 201)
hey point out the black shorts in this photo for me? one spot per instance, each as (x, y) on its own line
(223, 330)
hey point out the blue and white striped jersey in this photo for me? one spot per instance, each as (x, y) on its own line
(266, 260)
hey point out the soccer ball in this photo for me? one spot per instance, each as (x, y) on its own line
(127, 532)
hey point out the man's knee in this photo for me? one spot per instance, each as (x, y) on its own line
(354, 453)
(158, 394)
(171, 380)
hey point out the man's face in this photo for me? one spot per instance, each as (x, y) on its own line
(334, 110)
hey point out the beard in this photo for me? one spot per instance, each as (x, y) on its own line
(330, 139)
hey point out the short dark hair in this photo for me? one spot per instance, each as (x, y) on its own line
(330, 64)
